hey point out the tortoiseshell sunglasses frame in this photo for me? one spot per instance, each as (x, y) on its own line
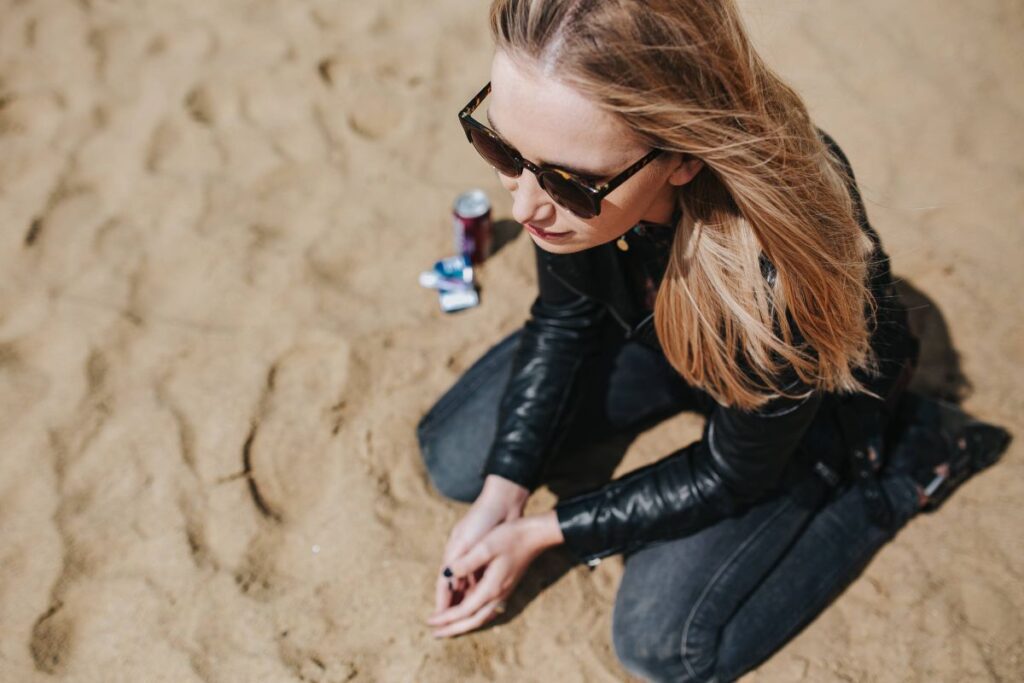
(595, 193)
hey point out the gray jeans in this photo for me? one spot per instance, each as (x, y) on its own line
(705, 607)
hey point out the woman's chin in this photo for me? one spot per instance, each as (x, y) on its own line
(567, 246)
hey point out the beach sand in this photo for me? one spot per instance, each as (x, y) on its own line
(214, 351)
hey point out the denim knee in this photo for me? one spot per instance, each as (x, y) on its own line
(450, 480)
(664, 655)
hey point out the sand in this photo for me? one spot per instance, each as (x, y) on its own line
(213, 349)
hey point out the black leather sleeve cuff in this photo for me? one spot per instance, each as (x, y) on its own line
(523, 471)
(663, 500)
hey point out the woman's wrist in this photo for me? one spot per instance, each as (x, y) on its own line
(505, 491)
(542, 530)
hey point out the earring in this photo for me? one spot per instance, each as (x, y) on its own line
(622, 244)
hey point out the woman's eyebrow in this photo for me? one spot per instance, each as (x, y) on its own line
(564, 167)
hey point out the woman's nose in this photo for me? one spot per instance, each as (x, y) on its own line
(530, 203)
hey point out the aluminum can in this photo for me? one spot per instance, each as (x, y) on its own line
(453, 272)
(453, 300)
(471, 215)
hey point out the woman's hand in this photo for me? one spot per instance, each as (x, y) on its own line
(500, 501)
(503, 555)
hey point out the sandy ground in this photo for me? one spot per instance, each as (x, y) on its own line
(213, 350)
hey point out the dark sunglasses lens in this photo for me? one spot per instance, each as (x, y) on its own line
(568, 194)
(495, 153)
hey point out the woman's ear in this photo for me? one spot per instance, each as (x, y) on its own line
(685, 169)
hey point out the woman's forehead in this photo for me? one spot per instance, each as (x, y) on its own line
(549, 122)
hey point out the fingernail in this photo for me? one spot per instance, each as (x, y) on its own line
(448, 572)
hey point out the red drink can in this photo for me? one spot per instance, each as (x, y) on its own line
(472, 220)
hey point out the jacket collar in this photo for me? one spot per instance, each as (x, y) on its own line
(597, 273)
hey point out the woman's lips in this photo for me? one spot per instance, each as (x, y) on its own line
(545, 235)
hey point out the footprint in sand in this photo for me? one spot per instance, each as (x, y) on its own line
(289, 456)
(51, 640)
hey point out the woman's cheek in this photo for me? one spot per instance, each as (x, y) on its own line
(506, 182)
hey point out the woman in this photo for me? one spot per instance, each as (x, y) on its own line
(700, 245)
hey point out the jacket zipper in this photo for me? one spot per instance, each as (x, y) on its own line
(640, 324)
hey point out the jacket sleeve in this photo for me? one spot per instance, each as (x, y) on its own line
(739, 460)
(564, 328)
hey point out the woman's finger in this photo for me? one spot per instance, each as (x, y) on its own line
(455, 584)
(477, 619)
(484, 592)
(442, 595)
(477, 556)
(456, 546)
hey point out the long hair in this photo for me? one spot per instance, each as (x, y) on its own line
(684, 77)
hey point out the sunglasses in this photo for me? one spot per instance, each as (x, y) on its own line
(566, 189)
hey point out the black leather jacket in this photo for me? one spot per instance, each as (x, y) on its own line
(743, 454)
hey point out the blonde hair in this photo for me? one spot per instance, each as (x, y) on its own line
(685, 78)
